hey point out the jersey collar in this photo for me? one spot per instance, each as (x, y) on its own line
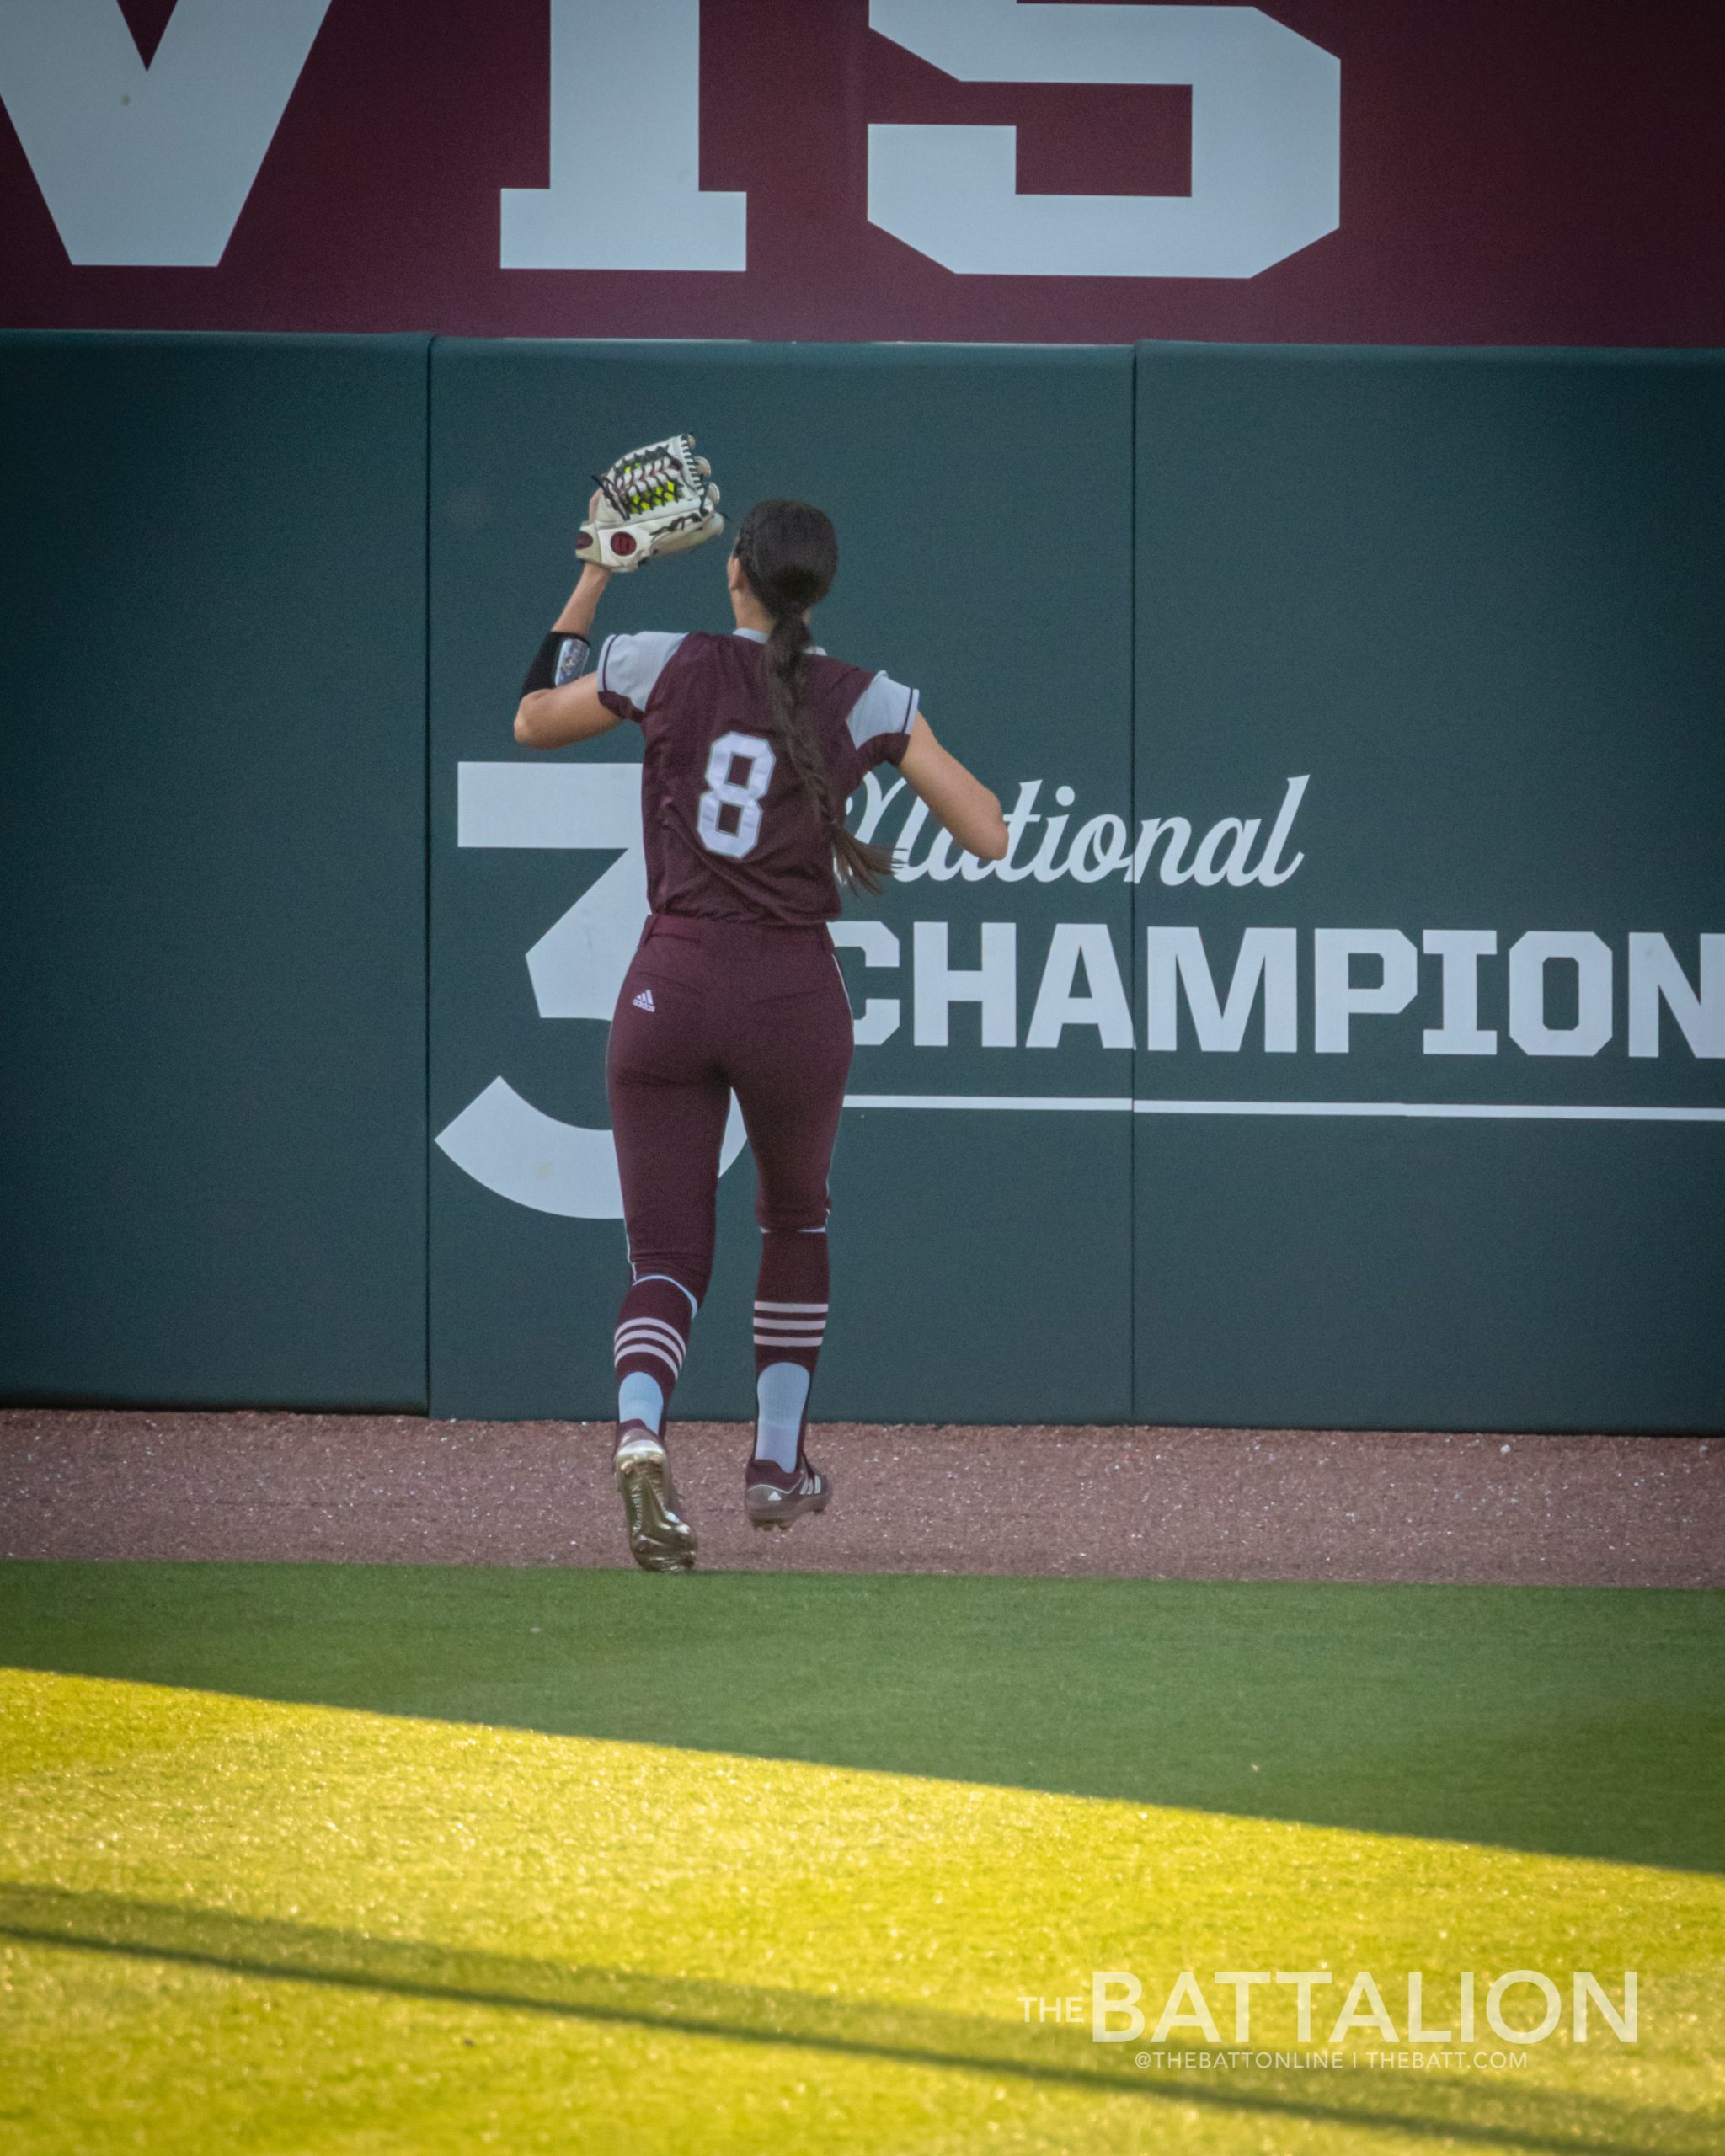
(759, 636)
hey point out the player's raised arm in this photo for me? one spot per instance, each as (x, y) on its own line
(658, 500)
(961, 803)
(560, 698)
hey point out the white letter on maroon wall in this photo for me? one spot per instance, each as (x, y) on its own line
(625, 191)
(150, 166)
(1266, 142)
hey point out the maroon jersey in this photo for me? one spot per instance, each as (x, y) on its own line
(731, 834)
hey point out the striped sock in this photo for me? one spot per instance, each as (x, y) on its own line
(652, 1337)
(790, 1324)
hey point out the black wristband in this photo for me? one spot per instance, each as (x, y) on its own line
(561, 657)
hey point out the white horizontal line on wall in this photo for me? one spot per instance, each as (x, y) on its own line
(1092, 1104)
(1118, 1104)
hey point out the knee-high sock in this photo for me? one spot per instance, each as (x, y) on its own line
(652, 1336)
(790, 1323)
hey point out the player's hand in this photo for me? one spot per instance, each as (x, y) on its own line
(596, 571)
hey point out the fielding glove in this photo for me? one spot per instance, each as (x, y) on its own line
(656, 500)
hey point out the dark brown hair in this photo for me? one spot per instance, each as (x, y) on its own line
(789, 553)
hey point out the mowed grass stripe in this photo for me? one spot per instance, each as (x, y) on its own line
(1587, 1723)
(794, 1955)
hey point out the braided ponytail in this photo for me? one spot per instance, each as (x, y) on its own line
(789, 553)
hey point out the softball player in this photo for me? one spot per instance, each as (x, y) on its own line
(752, 741)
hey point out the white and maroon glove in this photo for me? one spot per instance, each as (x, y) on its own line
(656, 500)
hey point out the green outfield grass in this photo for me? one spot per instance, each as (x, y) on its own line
(320, 1858)
(1578, 1723)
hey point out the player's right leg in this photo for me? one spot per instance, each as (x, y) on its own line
(668, 1109)
(789, 1074)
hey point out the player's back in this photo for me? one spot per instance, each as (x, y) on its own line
(729, 829)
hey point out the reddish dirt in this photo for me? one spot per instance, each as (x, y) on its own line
(1157, 1503)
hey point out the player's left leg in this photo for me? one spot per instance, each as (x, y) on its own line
(668, 1105)
(790, 1090)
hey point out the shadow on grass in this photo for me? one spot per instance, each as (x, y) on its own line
(1486, 2112)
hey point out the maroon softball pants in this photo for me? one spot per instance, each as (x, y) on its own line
(710, 1008)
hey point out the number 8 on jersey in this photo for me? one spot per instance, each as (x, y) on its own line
(724, 791)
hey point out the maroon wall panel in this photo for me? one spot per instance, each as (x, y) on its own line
(1512, 172)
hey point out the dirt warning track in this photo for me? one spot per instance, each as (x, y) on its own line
(1132, 1501)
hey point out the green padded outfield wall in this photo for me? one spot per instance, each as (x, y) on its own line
(1477, 602)
(983, 498)
(212, 684)
(1426, 655)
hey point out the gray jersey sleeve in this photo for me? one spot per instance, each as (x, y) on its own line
(884, 707)
(629, 667)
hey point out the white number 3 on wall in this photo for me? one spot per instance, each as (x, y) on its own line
(576, 967)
